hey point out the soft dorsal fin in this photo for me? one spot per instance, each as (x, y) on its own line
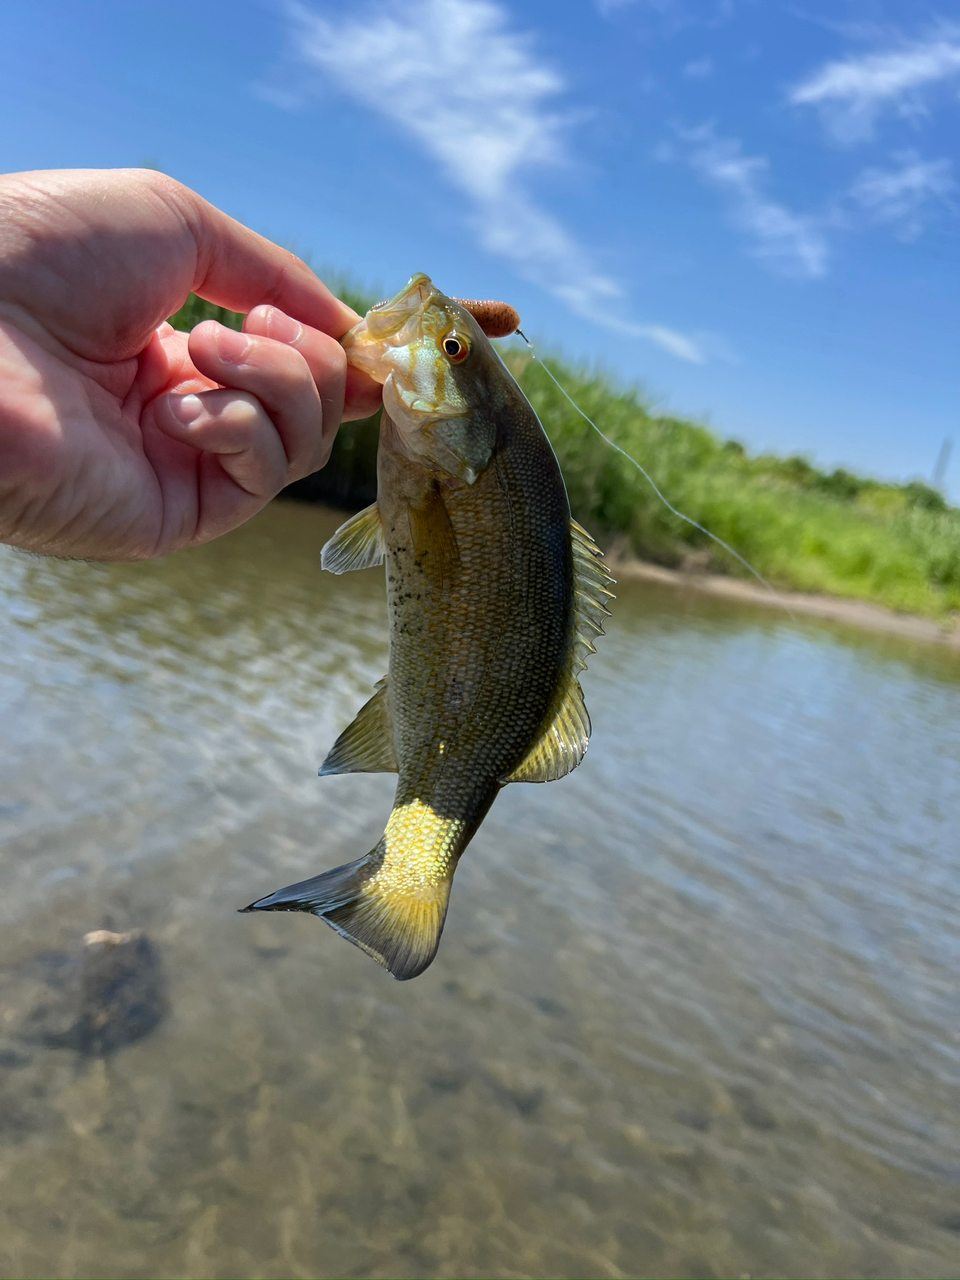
(562, 745)
(366, 745)
(358, 544)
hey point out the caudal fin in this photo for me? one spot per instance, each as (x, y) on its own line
(400, 931)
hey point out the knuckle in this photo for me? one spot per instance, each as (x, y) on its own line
(161, 183)
(275, 359)
(290, 270)
(205, 331)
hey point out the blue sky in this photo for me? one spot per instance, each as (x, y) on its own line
(751, 208)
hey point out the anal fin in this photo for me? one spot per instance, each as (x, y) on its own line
(562, 745)
(366, 745)
(358, 544)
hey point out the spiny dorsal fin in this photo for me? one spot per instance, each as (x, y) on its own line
(561, 747)
(591, 579)
(358, 544)
(366, 745)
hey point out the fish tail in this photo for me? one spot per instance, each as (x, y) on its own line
(401, 931)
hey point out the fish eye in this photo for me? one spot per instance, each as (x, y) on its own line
(455, 348)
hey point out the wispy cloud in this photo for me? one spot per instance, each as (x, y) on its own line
(674, 15)
(851, 93)
(698, 69)
(792, 242)
(903, 196)
(471, 91)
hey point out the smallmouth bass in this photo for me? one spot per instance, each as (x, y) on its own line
(494, 594)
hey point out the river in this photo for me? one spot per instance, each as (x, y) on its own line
(696, 1007)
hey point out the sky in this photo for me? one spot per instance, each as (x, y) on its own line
(749, 208)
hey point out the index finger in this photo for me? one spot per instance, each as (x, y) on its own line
(239, 269)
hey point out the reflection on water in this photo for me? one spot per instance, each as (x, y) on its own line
(695, 1011)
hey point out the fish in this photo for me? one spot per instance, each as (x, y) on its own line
(494, 595)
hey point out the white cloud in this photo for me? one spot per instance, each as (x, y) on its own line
(902, 196)
(677, 344)
(456, 77)
(450, 73)
(698, 69)
(851, 93)
(793, 242)
(674, 15)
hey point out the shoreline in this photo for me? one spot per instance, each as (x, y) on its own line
(858, 613)
(842, 609)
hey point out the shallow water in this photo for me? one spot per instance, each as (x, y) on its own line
(696, 1007)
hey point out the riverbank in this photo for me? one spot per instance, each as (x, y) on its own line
(857, 613)
(862, 548)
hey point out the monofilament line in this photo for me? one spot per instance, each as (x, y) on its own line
(653, 484)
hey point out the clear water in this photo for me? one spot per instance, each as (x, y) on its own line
(696, 1008)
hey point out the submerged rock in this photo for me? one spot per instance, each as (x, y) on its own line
(122, 993)
(115, 995)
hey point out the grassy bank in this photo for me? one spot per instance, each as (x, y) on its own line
(803, 528)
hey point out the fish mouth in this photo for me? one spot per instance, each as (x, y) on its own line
(380, 343)
(398, 344)
(387, 319)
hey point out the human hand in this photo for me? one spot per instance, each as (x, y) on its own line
(120, 438)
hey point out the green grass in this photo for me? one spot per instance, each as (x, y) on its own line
(802, 528)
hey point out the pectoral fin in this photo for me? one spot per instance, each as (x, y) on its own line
(358, 544)
(366, 745)
(434, 540)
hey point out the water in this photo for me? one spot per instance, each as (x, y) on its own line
(695, 1011)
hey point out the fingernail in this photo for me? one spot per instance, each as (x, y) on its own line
(186, 409)
(283, 327)
(232, 346)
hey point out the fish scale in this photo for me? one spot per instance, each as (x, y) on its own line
(493, 593)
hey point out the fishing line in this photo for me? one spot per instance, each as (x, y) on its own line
(653, 484)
